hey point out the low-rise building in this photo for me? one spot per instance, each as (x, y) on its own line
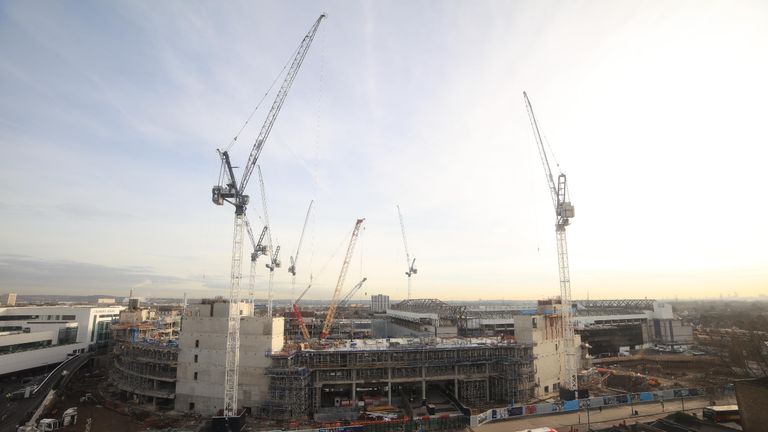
(379, 303)
(35, 336)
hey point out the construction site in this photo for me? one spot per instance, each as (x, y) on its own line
(392, 378)
(236, 361)
(145, 355)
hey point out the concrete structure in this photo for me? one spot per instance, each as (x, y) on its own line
(145, 355)
(8, 299)
(621, 320)
(379, 303)
(201, 359)
(35, 336)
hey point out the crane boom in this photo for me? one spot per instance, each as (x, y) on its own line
(352, 292)
(234, 194)
(340, 282)
(294, 261)
(266, 128)
(409, 263)
(297, 312)
(564, 211)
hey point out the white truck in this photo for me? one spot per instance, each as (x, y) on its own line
(49, 424)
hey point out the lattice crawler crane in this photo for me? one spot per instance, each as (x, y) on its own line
(340, 283)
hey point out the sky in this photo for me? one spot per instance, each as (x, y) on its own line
(111, 114)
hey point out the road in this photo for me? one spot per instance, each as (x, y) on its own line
(13, 411)
(577, 421)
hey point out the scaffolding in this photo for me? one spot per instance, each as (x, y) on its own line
(145, 359)
(478, 374)
(289, 391)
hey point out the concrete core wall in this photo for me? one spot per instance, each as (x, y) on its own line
(202, 356)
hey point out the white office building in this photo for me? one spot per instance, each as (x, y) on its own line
(35, 336)
(379, 303)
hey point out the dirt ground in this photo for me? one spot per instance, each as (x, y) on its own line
(107, 413)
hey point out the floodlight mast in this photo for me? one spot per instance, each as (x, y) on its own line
(564, 211)
(234, 193)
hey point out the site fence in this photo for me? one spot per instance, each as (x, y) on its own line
(425, 424)
(596, 402)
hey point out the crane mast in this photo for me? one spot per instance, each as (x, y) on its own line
(340, 283)
(410, 264)
(274, 252)
(564, 211)
(233, 193)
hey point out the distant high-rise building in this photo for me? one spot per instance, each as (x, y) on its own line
(8, 299)
(379, 303)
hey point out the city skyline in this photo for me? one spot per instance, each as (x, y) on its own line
(113, 113)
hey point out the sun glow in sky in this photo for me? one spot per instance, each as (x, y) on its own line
(111, 113)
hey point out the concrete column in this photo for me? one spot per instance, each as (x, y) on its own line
(389, 385)
(423, 382)
(354, 386)
(456, 381)
(488, 382)
(318, 396)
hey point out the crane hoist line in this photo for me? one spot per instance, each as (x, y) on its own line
(230, 190)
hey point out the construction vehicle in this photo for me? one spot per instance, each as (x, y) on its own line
(297, 312)
(68, 418)
(410, 264)
(564, 211)
(340, 283)
(231, 191)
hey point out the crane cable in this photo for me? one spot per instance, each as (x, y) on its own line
(282, 71)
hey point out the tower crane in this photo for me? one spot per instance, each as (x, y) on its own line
(259, 249)
(294, 261)
(230, 191)
(274, 252)
(340, 283)
(564, 211)
(410, 264)
(352, 292)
